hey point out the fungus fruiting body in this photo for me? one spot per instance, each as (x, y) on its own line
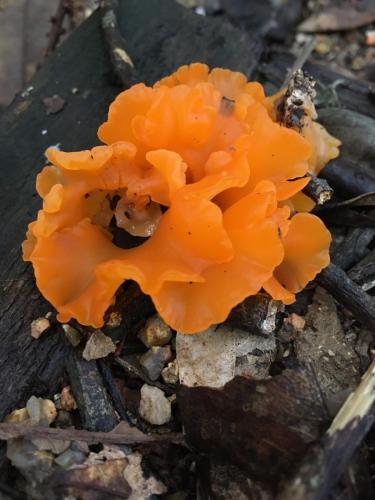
(198, 167)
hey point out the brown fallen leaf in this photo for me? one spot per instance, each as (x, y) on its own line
(345, 17)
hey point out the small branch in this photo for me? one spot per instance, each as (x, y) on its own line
(318, 189)
(121, 61)
(130, 436)
(324, 464)
(56, 29)
(350, 295)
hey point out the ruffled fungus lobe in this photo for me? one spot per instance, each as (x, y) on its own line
(198, 166)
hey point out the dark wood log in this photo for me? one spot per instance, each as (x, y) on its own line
(162, 36)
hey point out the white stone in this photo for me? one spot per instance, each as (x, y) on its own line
(154, 407)
(212, 358)
(39, 326)
(170, 373)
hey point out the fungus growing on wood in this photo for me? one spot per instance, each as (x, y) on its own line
(198, 167)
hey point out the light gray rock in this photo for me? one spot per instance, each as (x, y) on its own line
(154, 360)
(212, 358)
(98, 346)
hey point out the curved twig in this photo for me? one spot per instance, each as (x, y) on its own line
(122, 63)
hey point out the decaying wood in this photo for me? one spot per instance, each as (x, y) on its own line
(349, 294)
(124, 435)
(323, 465)
(95, 407)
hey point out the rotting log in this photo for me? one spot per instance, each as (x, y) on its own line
(161, 36)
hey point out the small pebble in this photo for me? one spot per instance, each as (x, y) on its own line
(39, 326)
(114, 319)
(17, 416)
(64, 419)
(155, 332)
(154, 360)
(298, 322)
(69, 458)
(68, 403)
(72, 335)
(98, 346)
(170, 373)
(154, 407)
(41, 411)
(331, 353)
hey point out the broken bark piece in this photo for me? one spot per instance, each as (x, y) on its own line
(350, 295)
(257, 314)
(325, 462)
(89, 392)
(297, 102)
(262, 426)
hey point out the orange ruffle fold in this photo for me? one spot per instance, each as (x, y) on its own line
(203, 146)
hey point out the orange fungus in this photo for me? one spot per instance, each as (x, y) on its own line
(198, 167)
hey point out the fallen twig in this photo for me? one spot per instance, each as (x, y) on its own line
(350, 295)
(121, 61)
(318, 189)
(129, 436)
(56, 29)
(324, 464)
